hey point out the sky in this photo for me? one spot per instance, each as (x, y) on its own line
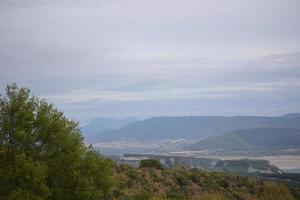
(121, 58)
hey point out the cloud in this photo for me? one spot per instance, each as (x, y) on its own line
(135, 53)
(86, 96)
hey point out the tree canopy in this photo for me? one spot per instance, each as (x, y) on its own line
(42, 154)
(151, 163)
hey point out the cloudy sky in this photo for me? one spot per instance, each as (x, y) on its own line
(119, 58)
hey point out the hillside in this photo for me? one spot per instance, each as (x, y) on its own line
(241, 166)
(291, 115)
(192, 184)
(192, 127)
(98, 125)
(247, 139)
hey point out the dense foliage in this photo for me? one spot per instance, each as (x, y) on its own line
(151, 163)
(193, 184)
(42, 155)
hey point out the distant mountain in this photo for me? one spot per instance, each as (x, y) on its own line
(193, 127)
(98, 125)
(256, 138)
(292, 115)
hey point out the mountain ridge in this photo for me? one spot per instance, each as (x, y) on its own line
(256, 138)
(192, 127)
(100, 124)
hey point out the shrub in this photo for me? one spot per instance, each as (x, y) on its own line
(151, 163)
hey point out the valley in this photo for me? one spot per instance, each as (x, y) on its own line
(217, 138)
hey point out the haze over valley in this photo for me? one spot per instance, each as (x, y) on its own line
(203, 136)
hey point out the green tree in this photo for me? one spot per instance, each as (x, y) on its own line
(151, 163)
(274, 191)
(42, 154)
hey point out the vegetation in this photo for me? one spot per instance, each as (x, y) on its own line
(151, 163)
(183, 184)
(42, 157)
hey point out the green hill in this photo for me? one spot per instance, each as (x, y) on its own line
(144, 183)
(247, 139)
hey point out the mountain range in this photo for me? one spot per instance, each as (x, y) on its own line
(252, 139)
(193, 127)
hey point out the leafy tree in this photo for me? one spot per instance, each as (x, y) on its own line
(42, 154)
(151, 163)
(273, 191)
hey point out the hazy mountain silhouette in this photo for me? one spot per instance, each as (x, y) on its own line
(193, 127)
(98, 125)
(257, 138)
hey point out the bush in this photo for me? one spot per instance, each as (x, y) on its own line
(274, 191)
(151, 163)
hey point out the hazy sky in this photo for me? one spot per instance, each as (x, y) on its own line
(118, 58)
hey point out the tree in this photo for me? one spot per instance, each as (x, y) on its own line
(151, 163)
(42, 154)
(274, 191)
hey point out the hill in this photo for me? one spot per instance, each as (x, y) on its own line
(98, 125)
(192, 184)
(240, 166)
(292, 115)
(247, 139)
(194, 127)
